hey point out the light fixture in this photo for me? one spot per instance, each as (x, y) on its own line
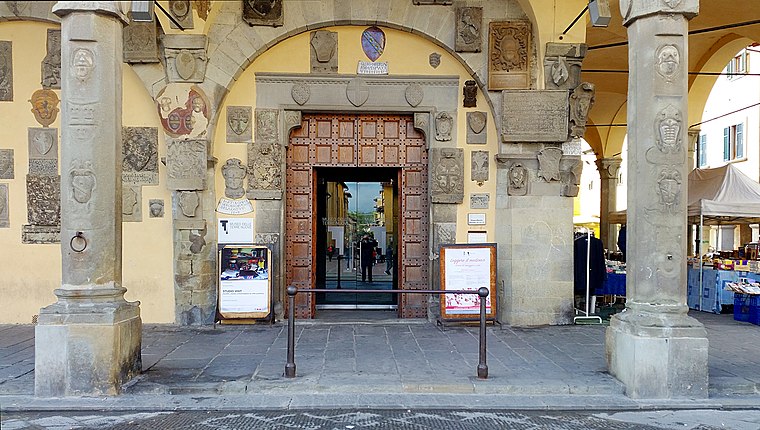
(600, 12)
(142, 10)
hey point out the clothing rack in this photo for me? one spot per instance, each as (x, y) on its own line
(587, 317)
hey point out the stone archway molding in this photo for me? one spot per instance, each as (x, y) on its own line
(28, 10)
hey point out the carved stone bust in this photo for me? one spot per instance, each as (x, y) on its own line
(234, 172)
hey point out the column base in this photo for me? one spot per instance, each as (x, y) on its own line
(86, 348)
(658, 356)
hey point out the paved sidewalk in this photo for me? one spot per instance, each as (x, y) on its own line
(389, 363)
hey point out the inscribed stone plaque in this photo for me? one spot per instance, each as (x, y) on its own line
(534, 116)
(35, 234)
(139, 164)
(51, 64)
(43, 199)
(479, 167)
(479, 200)
(140, 42)
(43, 151)
(468, 25)
(131, 204)
(4, 211)
(324, 51)
(447, 175)
(509, 55)
(6, 71)
(476, 128)
(263, 12)
(186, 164)
(239, 124)
(6, 164)
(182, 11)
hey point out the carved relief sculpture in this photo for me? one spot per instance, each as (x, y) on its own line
(186, 164)
(468, 25)
(266, 125)
(479, 167)
(518, 180)
(6, 164)
(562, 65)
(156, 208)
(422, 122)
(44, 106)
(51, 64)
(139, 163)
(470, 92)
(234, 172)
(6, 71)
(571, 168)
(548, 164)
(4, 211)
(444, 123)
(509, 53)
(265, 171)
(357, 91)
(131, 204)
(239, 124)
(263, 12)
(669, 189)
(414, 94)
(300, 93)
(668, 62)
(183, 112)
(203, 7)
(43, 151)
(83, 185)
(182, 11)
(188, 203)
(43, 198)
(435, 60)
(581, 101)
(185, 57)
(324, 51)
(668, 130)
(447, 176)
(476, 128)
(140, 42)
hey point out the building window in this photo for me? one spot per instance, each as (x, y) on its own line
(733, 142)
(737, 67)
(702, 150)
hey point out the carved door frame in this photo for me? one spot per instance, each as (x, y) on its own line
(357, 140)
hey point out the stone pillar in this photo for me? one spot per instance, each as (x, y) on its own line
(654, 347)
(608, 172)
(88, 342)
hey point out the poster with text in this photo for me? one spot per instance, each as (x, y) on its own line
(244, 281)
(468, 268)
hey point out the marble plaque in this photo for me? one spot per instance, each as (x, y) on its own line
(51, 64)
(6, 71)
(324, 51)
(234, 207)
(479, 167)
(468, 25)
(43, 199)
(265, 171)
(156, 208)
(476, 128)
(6, 164)
(534, 116)
(131, 204)
(263, 12)
(479, 200)
(140, 42)
(186, 57)
(447, 176)
(239, 124)
(182, 11)
(4, 211)
(37, 234)
(139, 164)
(186, 164)
(509, 55)
(43, 151)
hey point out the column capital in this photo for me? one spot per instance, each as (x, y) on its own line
(117, 9)
(608, 167)
(635, 9)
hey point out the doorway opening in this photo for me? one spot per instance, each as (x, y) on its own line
(357, 236)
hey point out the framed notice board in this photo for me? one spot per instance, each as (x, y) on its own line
(245, 284)
(468, 267)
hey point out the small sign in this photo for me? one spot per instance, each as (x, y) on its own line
(368, 68)
(234, 207)
(244, 281)
(477, 237)
(476, 219)
(235, 230)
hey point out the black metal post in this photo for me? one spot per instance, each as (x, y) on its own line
(339, 257)
(482, 366)
(290, 366)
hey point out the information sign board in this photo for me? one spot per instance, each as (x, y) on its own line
(468, 267)
(245, 287)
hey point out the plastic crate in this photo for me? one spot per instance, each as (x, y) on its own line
(741, 307)
(754, 309)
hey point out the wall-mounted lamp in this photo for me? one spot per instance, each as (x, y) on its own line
(142, 10)
(599, 10)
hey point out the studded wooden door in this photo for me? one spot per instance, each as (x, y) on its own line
(338, 140)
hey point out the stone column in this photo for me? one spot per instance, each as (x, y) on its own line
(608, 172)
(88, 342)
(654, 347)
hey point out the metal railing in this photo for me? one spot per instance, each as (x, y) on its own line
(290, 366)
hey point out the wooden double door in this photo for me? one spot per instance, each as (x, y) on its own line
(362, 144)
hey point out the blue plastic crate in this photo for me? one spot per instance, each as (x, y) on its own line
(741, 307)
(754, 309)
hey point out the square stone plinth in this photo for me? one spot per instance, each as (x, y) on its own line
(87, 355)
(662, 357)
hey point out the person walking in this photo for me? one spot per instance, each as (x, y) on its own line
(366, 248)
(389, 259)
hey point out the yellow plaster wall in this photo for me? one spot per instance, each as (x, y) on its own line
(30, 272)
(406, 54)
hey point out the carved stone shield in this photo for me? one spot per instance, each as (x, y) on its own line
(357, 92)
(434, 60)
(43, 142)
(414, 94)
(324, 45)
(262, 7)
(238, 120)
(373, 42)
(548, 164)
(185, 64)
(6, 164)
(83, 183)
(476, 121)
(300, 93)
(44, 106)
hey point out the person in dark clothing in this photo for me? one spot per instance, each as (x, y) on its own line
(389, 259)
(621, 240)
(597, 268)
(366, 248)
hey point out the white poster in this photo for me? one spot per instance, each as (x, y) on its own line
(244, 296)
(244, 288)
(467, 269)
(235, 230)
